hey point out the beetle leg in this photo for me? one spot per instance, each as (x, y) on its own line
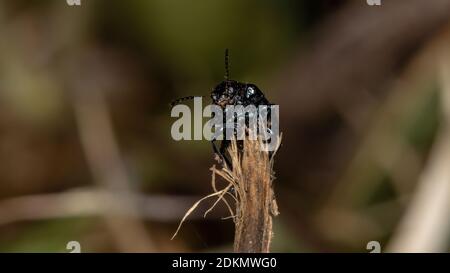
(221, 152)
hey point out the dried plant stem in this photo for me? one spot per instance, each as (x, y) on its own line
(251, 180)
(257, 205)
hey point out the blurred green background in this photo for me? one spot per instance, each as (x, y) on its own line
(85, 146)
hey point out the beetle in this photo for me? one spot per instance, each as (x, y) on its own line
(232, 92)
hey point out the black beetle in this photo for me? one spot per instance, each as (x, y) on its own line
(231, 92)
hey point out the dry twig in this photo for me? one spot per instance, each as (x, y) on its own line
(251, 180)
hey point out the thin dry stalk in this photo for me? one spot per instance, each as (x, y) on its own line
(251, 179)
(253, 173)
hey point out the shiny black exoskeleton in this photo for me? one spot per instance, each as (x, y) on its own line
(230, 92)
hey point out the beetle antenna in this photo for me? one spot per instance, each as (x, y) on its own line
(227, 71)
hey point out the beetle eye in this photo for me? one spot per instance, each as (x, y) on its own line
(250, 92)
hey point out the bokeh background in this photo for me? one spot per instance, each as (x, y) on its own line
(85, 146)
